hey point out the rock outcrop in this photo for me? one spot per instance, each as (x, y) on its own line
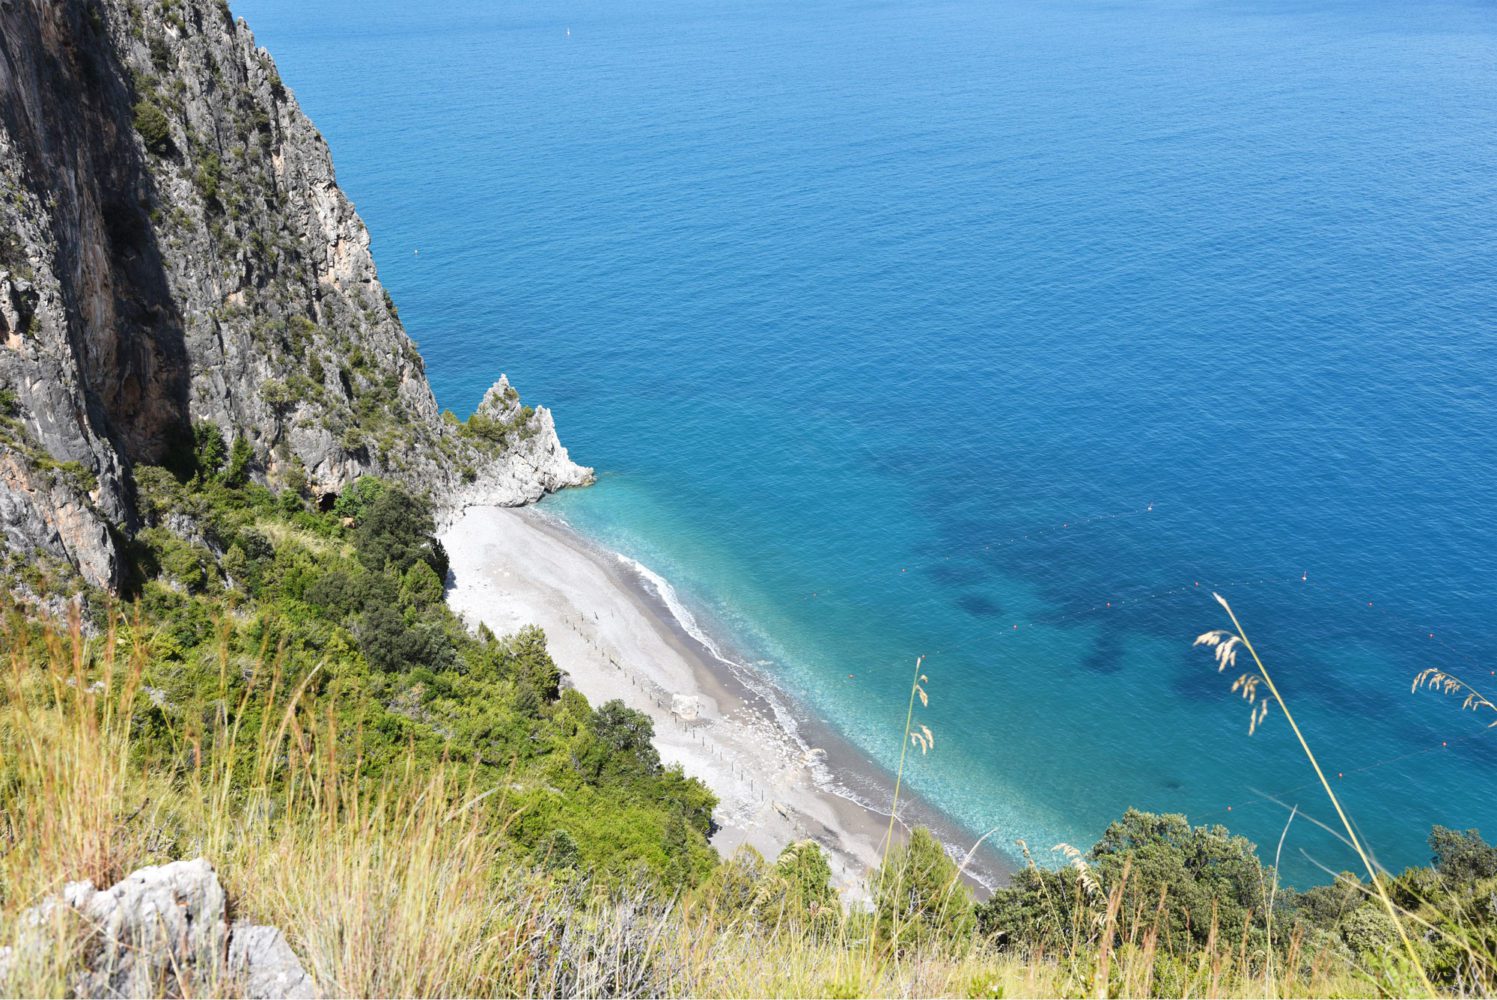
(174, 248)
(160, 931)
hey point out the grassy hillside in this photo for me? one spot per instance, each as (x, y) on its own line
(425, 811)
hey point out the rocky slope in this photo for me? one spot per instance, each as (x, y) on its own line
(174, 249)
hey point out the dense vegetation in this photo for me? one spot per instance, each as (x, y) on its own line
(1176, 894)
(348, 604)
(427, 810)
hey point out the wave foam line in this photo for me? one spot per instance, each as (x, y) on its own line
(751, 678)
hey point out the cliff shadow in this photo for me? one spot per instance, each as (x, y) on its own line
(71, 106)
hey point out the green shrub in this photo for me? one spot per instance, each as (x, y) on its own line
(1198, 869)
(277, 395)
(355, 500)
(919, 897)
(1462, 857)
(1186, 873)
(161, 53)
(74, 475)
(420, 588)
(392, 645)
(185, 563)
(209, 175)
(209, 451)
(559, 851)
(236, 564)
(623, 740)
(152, 124)
(804, 882)
(396, 531)
(236, 473)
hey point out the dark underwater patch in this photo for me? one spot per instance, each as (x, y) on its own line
(979, 606)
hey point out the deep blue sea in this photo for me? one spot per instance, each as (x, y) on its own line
(1000, 331)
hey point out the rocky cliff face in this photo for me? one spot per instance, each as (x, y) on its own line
(174, 249)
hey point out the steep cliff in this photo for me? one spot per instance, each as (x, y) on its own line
(174, 249)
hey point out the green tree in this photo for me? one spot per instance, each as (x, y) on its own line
(362, 492)
(397, 531)
(804, 877)
(1200, 872)
(1040, 910)
(236, 473)
(918, 895)
(420, 588)
(626, 734)
(1462, 857)
(526, 652)
(391, 645)
(209, 451)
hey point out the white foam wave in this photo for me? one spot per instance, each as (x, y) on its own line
(750, 677)
(753, 677)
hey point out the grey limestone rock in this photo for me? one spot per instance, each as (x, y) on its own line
(160, 931)
(263, 963)
(174, 248)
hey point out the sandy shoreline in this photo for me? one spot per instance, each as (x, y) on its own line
(609, 628)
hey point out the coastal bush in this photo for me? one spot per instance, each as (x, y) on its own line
(420, 587)
(152, 124)
(918, 895)
(1196, 883)
(348, 807)
(622, 745)
(241, 456)
(209, 450)
(356, 499)
(1462, 857)
(395, 531)
(392, 644)
(1202, 873)
(802, 889)
(320, 603)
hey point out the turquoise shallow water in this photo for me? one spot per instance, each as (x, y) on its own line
(999, 332)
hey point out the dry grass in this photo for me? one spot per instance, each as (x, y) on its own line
(1225, 644)
(407, 887)
(1445, 683)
